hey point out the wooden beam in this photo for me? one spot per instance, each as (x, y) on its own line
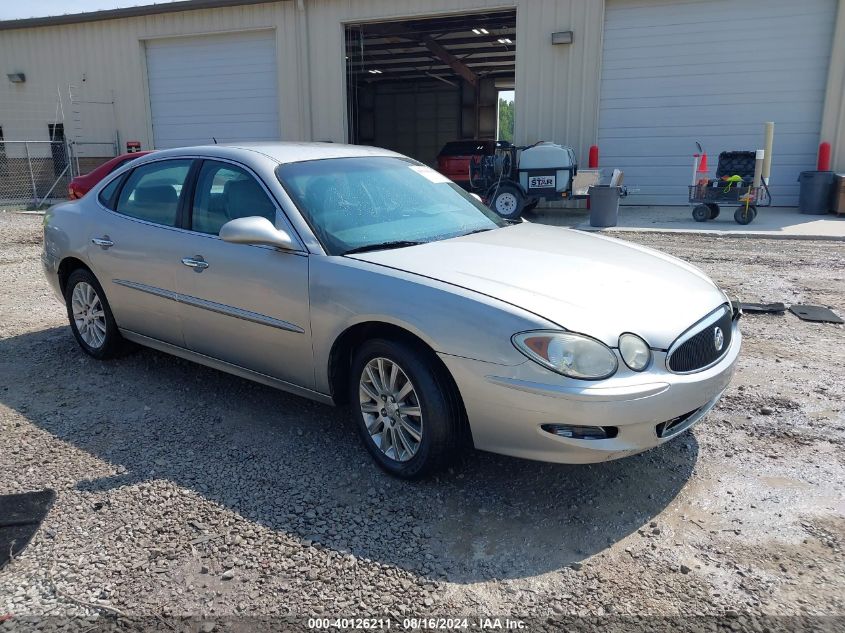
(453, 62)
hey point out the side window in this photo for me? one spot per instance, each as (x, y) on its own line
(225, 192)
(152, 192)
(107, 193)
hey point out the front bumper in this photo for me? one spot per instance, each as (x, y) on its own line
(507, 406)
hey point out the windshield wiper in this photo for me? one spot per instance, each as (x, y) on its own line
(382, 246)
(484, 230)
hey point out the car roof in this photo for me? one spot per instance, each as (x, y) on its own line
(282, 152)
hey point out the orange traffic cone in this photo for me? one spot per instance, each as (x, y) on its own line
(702, 164)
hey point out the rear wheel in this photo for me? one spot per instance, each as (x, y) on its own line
(405, 408)
(508, 202)
(714, 210)
(701, 213)
(90, 316)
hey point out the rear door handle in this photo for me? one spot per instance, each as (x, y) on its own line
(197, 263)
(103, 242)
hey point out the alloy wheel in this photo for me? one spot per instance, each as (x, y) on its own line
(391, 409)
(88, 315)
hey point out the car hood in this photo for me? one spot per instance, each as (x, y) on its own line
(583, 282)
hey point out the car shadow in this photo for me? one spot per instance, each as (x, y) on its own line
(297, 467)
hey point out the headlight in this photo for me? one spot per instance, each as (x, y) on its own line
(572, 355)
(634, 351)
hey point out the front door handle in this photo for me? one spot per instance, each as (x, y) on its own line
(103, 242)
(196, 262)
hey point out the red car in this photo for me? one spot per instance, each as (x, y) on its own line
(453, 160)
(81, 185)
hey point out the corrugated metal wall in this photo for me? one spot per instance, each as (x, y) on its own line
(556, 86)
(103, 58)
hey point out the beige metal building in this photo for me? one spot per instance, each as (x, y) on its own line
(644, 79)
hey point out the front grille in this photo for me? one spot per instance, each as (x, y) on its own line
(697, 348)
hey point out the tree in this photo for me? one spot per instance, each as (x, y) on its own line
(506, 120)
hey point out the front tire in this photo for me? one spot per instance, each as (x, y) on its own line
(405, 408)
(90, 316)
(745, 215)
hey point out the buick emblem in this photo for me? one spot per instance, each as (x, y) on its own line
(718, 339)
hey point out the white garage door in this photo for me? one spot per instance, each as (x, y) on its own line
(213, 87)
(674, 72)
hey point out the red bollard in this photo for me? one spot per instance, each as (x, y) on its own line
(824, 157)
(594, 157)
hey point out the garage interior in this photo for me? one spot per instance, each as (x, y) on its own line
(414, 85)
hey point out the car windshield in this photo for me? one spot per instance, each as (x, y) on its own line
(372, 202)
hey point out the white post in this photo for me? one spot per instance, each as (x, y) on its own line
(769, 135)
(758, 166)
(695, 160)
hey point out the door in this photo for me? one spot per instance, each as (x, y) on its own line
(713, 71)
(243, 304)
(221, 87)
(135, 248)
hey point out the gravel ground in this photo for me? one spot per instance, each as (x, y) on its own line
(182, 490)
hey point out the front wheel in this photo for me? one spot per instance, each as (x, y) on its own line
(406, 410)
(508, 202)
(745, 214)
(90, 316)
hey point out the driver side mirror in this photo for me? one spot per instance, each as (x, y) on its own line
(255, 230)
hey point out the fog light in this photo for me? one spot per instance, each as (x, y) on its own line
(634, 351)
(581, 432)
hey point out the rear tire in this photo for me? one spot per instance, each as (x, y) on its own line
(714, 210)
(508, 202)
(415, 409)
(90, 316)
(701, 213)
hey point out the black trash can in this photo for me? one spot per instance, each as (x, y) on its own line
(816, 194)
(604, 205)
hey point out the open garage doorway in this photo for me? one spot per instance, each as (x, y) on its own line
(414, 85)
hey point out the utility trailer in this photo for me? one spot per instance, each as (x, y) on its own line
(515, 179)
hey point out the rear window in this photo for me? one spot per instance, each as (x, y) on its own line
(121, 163)
(107, 193)
(467, 148)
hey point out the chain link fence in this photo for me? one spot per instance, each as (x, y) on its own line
(35, 174)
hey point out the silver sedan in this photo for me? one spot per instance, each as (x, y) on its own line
(356, 276)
